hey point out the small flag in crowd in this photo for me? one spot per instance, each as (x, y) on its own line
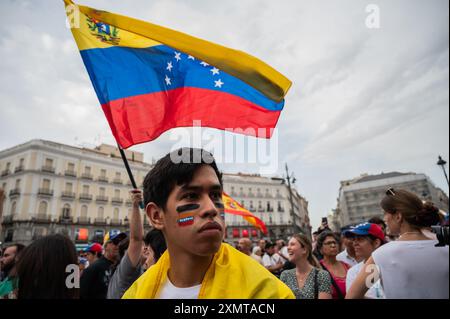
(234, 208)
(150, 79)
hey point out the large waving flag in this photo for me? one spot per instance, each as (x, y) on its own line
(234, 208)
(150, 79)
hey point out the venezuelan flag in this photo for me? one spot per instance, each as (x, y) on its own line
(234, 208)
(150, 79)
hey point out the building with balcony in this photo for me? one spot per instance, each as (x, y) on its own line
(73, 191)
(268, 199)
(359, 198)
(54, 188)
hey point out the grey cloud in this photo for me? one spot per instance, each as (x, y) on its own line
(362, 101)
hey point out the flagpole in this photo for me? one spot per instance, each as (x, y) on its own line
(130, 174)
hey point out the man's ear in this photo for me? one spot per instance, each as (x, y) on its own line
(156, 216)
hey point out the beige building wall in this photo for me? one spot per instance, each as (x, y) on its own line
(36, 175)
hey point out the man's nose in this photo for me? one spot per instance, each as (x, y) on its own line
(209, 208)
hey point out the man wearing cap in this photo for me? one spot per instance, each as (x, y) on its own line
(367, 238)
(348, 255)
(95, 279)
(93, 253)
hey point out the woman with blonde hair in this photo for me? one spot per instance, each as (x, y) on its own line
(411, 267)
(306, 280)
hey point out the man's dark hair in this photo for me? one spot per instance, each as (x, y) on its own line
(176, 168)
(42, 269)
(377, 220)
(123, 247)
(155, 239)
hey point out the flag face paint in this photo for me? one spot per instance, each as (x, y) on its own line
(187, 208)
(186, 215)
(186, 219)
(221, 207)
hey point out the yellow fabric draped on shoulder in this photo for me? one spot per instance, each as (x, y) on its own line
(232, 275)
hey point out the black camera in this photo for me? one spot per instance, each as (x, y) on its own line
(442, 234)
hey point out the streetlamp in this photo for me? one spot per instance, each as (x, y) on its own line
(291, 180)
(442, 164)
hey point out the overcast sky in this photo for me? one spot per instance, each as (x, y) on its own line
(363, 100)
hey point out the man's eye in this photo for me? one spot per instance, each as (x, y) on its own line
(190, 196)
(217, 195)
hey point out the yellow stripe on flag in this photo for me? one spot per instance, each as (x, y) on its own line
(135, 33)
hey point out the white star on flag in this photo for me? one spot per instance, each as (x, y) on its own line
(168, 81)
(169, 66)
(191, 57)
(219, 83)
(204, 64)
(177, 56)
(215, 71)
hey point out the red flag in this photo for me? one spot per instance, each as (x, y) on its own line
(234, 208)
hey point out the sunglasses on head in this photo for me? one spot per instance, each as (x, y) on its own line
(390, 192)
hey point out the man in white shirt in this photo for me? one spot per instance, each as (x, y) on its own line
(271, 260)
(282, 250)
(348, 254)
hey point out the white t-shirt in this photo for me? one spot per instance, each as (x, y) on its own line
(346, 258)
(270, 261)
(169, 291)
(375, 292)
(413, 269)
(284, 252)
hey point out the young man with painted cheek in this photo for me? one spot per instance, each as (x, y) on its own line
(184, 200)
(192, 217)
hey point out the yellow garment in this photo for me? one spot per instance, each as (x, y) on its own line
(232, 275)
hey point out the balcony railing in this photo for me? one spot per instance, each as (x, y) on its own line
(117, 201)
(45, 192)
(116, 222)
(84, 220)
(19, 169)
(65, 219)
(86, 197)
(100, 221)
(129, 203)
(42, 218)
(87, 176)
(70, 173)
(8, 219)
(102, 199)
(48, 169)
(103, 179)
(6, 172)
(117, 181)
(14, 192)
(68, 195)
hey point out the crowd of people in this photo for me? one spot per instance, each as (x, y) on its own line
(184, 256)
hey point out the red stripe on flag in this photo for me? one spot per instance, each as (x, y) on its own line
(143, 118)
